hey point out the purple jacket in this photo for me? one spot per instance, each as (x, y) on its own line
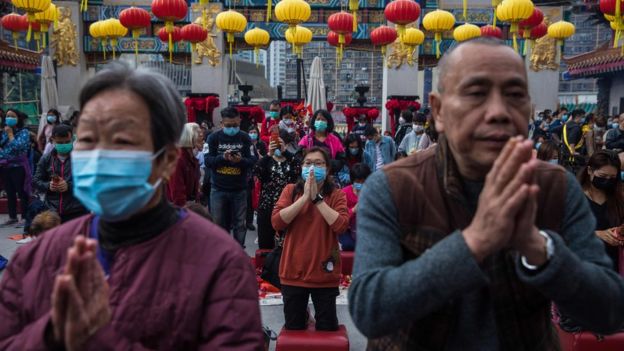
(190, 288)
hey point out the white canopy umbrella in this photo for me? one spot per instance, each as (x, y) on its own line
(49, 90)
(316, 88)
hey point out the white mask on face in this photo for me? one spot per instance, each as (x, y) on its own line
(418, 128)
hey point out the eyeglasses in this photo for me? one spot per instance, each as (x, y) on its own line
(316, 163)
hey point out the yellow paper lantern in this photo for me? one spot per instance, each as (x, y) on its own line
(437, 22)
(113, 29)
(292, 12)
(31, 7)
(514, 11)
(231, 22)
(298, 37)
(257, 38)
(97, 32)
(560, 31)
(412, 38)
(45, 18)
(466, 31)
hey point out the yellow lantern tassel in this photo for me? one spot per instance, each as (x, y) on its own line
(438, 39)
(354, 13)
(44, 39)
(515, 41)
(400, 31)
(29, 33)
(103, 42)
(230, 40)
(269, 10)
(494, 17)
(524, 49)
(135, 35)
(465, 3)
(113, 43)
(256, 55)
(383, 51)
(83, 5)
(38, 40)
(204, 17)
(15, 37)
(171, 47)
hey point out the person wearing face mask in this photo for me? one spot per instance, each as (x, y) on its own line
(355, 154)
(411, 142)
(287, 119)
(614, 139)
(270, 119)
(360, 128)
(44, 137)
(359, 173)
(183, 186)
(138, 273)
(17, 175)
(258, 150)
(54, 177)
(322, 135)
(274, 171)
(405, 126)
(547, 151)
(230, 160)
(312, 213)
(605, 194)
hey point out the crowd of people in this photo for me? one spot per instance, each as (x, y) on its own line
(460, 231)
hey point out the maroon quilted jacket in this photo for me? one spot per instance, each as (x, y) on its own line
(190, 288)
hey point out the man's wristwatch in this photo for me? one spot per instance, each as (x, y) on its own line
(550, 252)
(317, 199)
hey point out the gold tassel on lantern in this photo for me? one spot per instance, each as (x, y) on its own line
(354, 5)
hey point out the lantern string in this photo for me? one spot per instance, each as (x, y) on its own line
(524, 49)
(269, 10)
(494, 17)
(28, 34)
(465, 3)
(103, 42)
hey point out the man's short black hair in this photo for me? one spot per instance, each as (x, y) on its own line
(229, 112)
(407, 115)
(62, 131)
(370, 131)
(276, 102)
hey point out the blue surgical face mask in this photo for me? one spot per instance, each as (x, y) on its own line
(11, 121)
(537, 145)
(64, 148)
(554, 161)
(274, 114)
(113, 183)
(358, 186)
(320, 126)
(354, 151)
(231, 131)
(319, 173)
(277, 153)
(253, 136)
(615, 125)
(51, 119)
(564, 118)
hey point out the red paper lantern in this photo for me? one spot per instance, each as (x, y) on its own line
(135, 19)
(176, 35)
(332, 38)
(193, 33)
(535, 19)
(609, 6)
(14, 23)
(341, 22)
(401, 13)
(491, 31)
(537, 32)
(382, 36)
(169, 10)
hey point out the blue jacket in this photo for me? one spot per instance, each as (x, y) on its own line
(388, 151)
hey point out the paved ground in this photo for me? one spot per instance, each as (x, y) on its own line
(272, 316)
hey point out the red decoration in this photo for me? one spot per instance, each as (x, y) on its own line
(491, 31)
(395, 106)
(135, 19)
(194, 33)
(383, 35)
(206, 104)
(254, 113)
(341, 22)
(537, 32)
(14, 23)
(169, 10)
(353, 113)
(536, 18)
(608, 7)
(402, 12)
(332, 38)
(175, 36)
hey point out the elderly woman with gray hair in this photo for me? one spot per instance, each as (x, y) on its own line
(138, 273)
(183, 186)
